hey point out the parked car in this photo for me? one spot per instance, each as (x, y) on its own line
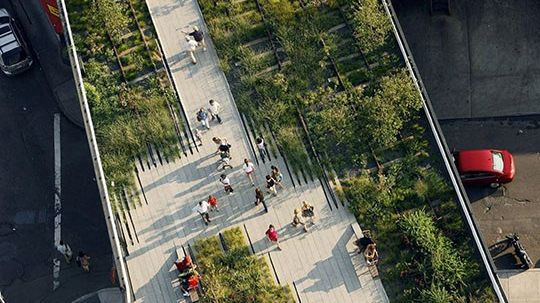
(485, 167)
(14, 53)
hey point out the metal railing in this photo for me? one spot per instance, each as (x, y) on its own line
(443, 148)
(119, 258)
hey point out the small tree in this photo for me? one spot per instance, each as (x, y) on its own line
(111, 13)
(372, 26)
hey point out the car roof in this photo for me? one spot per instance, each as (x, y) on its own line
(8, 41)
(3, 13)
(477, 160)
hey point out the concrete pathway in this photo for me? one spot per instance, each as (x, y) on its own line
(521, 286)
(321, 264)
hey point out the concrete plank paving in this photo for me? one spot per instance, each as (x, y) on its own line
(317, 261)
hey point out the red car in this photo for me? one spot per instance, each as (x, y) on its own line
(485, 167)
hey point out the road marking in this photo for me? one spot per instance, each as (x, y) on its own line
(57, 195)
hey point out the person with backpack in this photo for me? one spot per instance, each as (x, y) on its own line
(202, 116)
(224, 147)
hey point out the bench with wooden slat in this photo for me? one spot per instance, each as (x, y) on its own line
(193, 293)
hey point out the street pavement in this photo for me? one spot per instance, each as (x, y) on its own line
(482, 61)
(27, 179)
(480, 68)
(322, 265)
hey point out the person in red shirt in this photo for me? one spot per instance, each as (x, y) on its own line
(272, 235)
(183, 265)
(190, 283)
(212, 200)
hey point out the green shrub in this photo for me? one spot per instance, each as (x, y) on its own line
(372, 27)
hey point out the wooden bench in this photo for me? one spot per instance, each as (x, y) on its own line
(360, 234)
(193, 293)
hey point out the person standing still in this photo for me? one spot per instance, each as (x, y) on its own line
(215, 109)
(249, 169)
(226, 184)
(261, 146)
(212, 200)
(272, 235)
(202, 209)
(65, 250)
(202, 116)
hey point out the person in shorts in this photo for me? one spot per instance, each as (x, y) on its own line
(249, 169)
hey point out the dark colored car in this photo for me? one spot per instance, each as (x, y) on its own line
(485, 167)
(14, 54)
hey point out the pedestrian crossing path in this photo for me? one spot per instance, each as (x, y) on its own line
(320, 265)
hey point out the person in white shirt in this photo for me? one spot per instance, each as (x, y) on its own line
(214, 110)
(226, 183)
(202, 209)
(191, 47)
(65, 250)
(261, 146)
(249, 168)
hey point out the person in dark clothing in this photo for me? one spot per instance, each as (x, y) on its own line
(198, 35)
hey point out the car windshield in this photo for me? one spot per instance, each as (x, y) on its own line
(498, 164)
(13, 56)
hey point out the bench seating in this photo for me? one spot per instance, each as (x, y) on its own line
(193, 293)
(358, 234)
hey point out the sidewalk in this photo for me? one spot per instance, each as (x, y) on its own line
(521, 286)
(46, 46)
(318, 264)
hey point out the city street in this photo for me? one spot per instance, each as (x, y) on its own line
(27, 199)
(479, 68)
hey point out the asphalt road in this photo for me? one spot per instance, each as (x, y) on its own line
(479, 67)
(27, 109)
(514, 208)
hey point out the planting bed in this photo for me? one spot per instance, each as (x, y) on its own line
(326, 81)
(134, 109)
(229, 273)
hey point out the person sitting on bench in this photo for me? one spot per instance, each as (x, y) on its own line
(371, 254)
(185, 265)
(190, 283)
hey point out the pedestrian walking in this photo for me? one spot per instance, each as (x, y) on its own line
(272, 235)
(259, 198)
(202, 209)
(277, 176)
(198, 36)
(271, 185)
(261, 146)
(308, 211)
(65, 250)
(202, 116)
(226, 184)
(83, 260)
(212, 200)
(297, 219)
(198, 136)
(224, 161)
(249, 169)
(224, 147)
(191, 45)
(215, 109)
